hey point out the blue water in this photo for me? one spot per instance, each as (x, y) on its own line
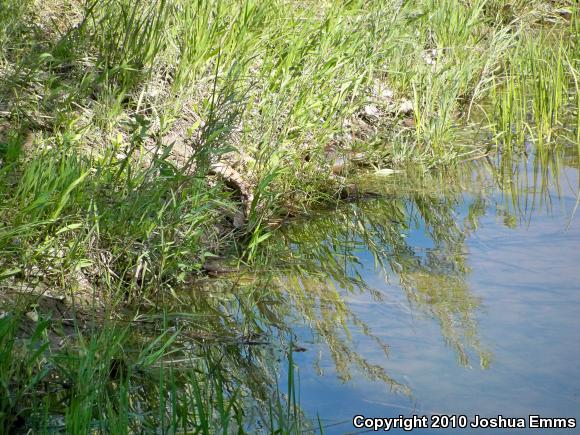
(522, 355)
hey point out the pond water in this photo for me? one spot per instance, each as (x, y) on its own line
(451, 294)
(454, 293)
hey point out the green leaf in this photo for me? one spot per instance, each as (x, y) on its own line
(69, 227)
(10, 272)
(65, 196)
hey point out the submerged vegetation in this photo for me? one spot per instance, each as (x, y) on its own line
(145, 145)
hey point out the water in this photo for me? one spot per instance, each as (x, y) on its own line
(452, 294)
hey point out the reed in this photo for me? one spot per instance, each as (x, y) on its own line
(114, 114)
(532, 97)
(110, 382)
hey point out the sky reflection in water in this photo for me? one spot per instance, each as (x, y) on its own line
(475, 290)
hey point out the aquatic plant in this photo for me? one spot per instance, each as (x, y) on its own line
(140, 141)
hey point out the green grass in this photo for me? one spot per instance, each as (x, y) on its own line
(109, 380)
(113, 115)
(536, 96)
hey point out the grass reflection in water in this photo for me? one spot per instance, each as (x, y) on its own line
(208, 357)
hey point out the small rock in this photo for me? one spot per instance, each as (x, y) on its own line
(386, 94)
(385, 172)
(382, 91)
(372, 111)
(239, 219)
(406, 106)
(32, 315)
(430, 57)
(338, 166)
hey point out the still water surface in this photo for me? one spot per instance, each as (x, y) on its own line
(457, 294)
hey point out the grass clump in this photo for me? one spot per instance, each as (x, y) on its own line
(113, 381)
(536, 95)
(140, 140)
